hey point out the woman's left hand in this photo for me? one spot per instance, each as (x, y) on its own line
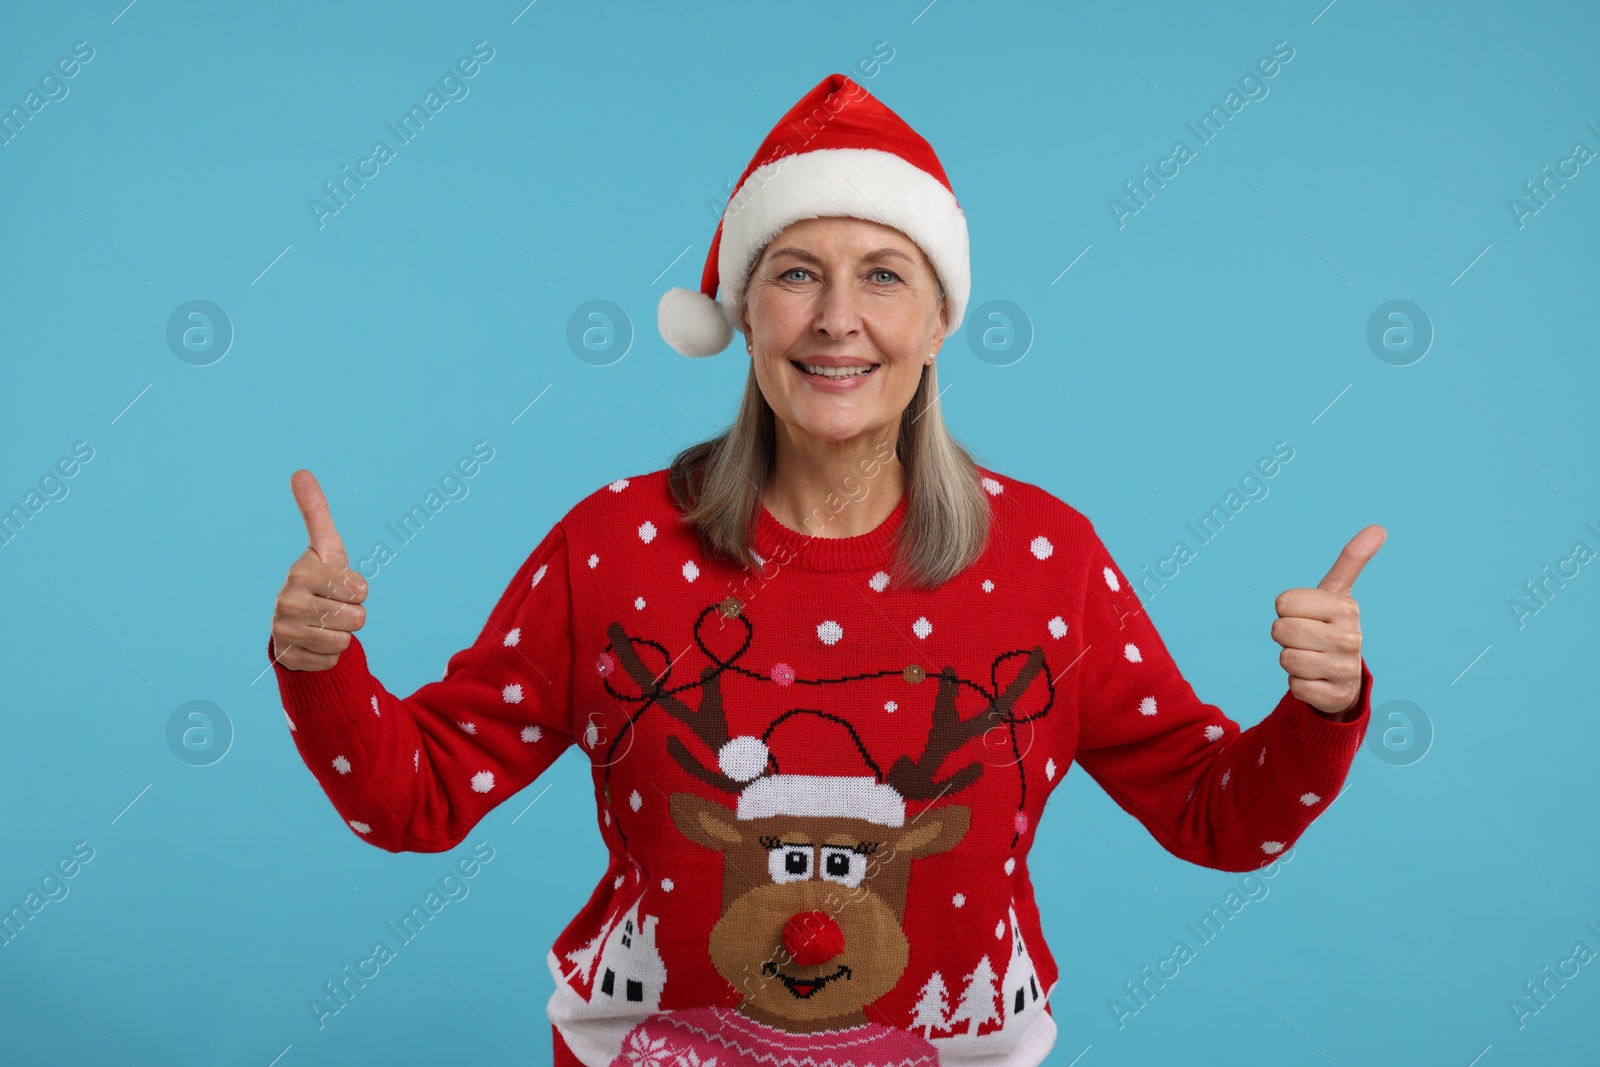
(1320, 631)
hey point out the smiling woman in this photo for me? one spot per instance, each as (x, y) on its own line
(820, 750)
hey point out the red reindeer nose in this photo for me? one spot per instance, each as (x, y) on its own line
(812, 937)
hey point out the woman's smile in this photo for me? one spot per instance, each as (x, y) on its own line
(829, 378)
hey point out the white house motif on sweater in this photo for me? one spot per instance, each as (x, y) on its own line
(1020, 995)
(630, 969)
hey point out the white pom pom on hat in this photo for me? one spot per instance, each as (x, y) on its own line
(693, 322)
(856, 159)
(745, 756)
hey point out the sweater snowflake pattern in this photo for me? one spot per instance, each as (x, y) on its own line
(817, 789)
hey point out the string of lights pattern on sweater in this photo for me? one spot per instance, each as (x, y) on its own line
(818, 789)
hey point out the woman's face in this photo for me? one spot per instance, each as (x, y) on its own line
(841, 293)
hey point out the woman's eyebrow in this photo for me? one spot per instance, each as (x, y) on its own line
(810, 257)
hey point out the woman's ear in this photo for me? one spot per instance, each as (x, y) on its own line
(944, 325)
(750, 296)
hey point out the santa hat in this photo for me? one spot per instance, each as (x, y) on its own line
(845, 793)
(838, 151)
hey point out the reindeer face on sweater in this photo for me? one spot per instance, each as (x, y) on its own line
(812, 907)
(815, 866)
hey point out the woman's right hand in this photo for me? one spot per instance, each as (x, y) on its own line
(319, 606)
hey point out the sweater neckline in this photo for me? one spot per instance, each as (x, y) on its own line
(810, 552)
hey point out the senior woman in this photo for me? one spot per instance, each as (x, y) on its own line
(826, 669)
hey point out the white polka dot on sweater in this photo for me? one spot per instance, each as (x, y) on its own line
(1261, 757)
(289, 721)
(1050, 769)
(990, 486)
(467, 727)
(375, 710)
(666, 884)
(1309, 799)
(618, 486)
(1225, 776)
(539, 574)
(647, 531)
(360, 827)
(416, 759)
(999, 930)
(638, 602)
(1272, 848)
(513, 636)
(959, 900)
(1010, 864)
(1147, 706)
(829, 632)
(635, 801)
(879, 582)
(922, 627)
(341, 765)
(593, 561)
(1041, 547)
(530, 733)
(512, 694)
(988, 586)
(483, 781)
(1111, 579)
(690, 571)
(1131, 652)
(1058, 627)
(1213, 732)
(890, 706)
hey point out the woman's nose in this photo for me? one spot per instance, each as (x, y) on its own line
(812, 937)
(837, 313)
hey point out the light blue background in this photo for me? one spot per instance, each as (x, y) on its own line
(425, 316)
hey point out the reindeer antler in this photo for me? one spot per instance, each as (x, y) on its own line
(914, 779)
(709, 723)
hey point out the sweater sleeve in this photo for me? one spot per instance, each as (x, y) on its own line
(416, 773)
(1209, 792)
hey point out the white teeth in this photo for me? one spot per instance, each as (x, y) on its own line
(836, 372)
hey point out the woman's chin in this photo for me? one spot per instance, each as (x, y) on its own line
(830, 427)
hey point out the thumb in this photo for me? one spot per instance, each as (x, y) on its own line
(1341, 577)
(325, 541)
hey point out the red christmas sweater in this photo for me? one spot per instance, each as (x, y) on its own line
(818, 789)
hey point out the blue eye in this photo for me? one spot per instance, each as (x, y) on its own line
(892, 276)
(794, 270)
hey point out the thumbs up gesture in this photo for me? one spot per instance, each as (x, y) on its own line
(1320, 631)
(319, 606)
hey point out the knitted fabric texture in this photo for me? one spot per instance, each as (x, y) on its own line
(817, 789)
